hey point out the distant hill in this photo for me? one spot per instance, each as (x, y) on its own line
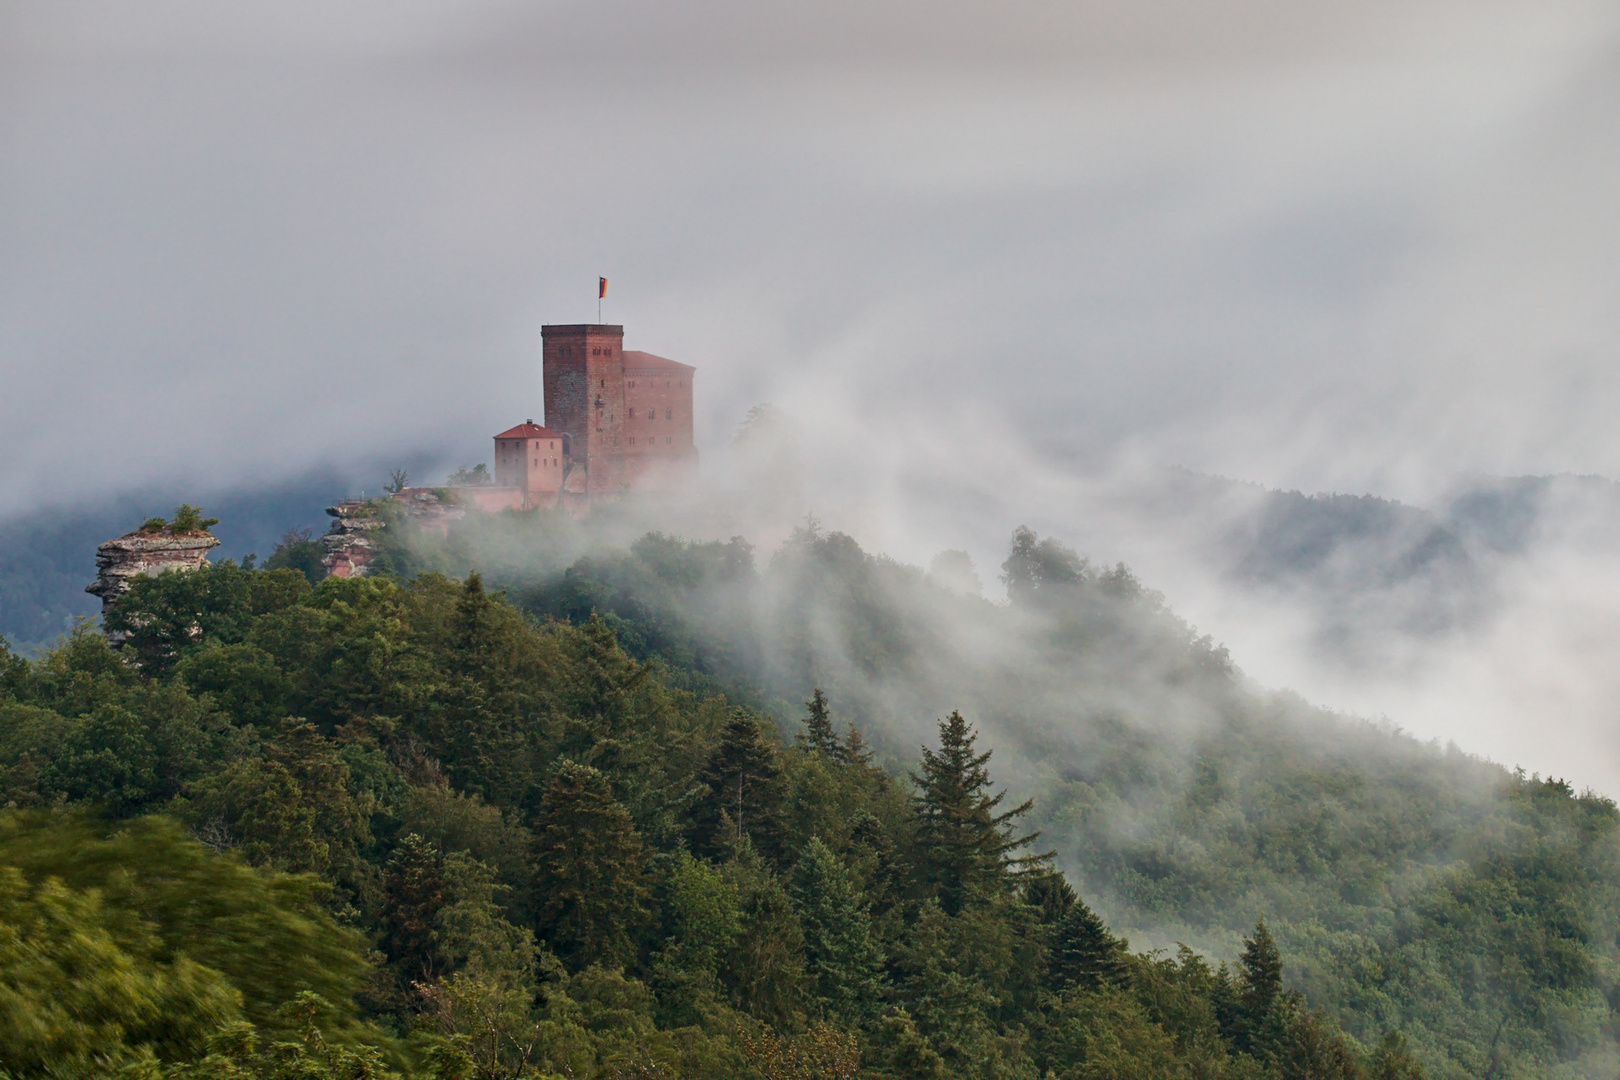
(48, 556)
(1366, 564)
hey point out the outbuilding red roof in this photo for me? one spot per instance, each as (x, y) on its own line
(529, 430)
(646, 361)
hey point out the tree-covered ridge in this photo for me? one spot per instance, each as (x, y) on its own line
(565, 857)
(552, 852)
(1187, 801)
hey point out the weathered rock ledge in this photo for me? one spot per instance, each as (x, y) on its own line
(350, 547)
(146, 553)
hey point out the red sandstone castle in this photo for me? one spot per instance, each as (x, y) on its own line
(615, 420)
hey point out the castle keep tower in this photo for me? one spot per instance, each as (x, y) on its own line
(625, 418)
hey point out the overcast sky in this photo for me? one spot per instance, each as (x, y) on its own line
(1363, 247)
(1334, 246)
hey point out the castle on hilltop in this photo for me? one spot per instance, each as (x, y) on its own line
(615, 420)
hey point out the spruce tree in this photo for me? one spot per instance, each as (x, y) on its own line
(854, 750)
(469, 631)
(1261, 970)
(966, 847)
(1083, 954)
(1249, 1011)
(840, 957)
(1393, 1061)
(1050, 895)
(744, 793)
(589, 893)
(414, 891)
(877, 866)
(818, 728)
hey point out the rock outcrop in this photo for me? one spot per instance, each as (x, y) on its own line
(357, 529)
(146, 553)
(350, 545)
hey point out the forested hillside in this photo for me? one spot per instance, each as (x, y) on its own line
(673, 810)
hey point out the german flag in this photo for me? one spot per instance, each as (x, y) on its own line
(601, 288)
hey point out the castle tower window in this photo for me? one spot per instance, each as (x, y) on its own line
(669, 414)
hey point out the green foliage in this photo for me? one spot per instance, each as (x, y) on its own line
(299, 550)
(1037, 569)
(589, 897)
(818, 726)
(167, 900)
(842, 960)
(415, 890)
(580, 845)
(477, 476)
(1083, 954)
(968, 845)
(78, 992)
(744, 796)
(188, 518)
(163, 616)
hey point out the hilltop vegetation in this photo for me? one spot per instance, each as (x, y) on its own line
(412, 825)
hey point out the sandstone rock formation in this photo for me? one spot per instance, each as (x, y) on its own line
(139, 553)
(350, 547)
(357, 529)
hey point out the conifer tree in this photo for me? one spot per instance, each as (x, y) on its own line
(841, 959)
(470, 629)
(1250, 1012)
(854, 750)
(1394, 1061)
(414, 891)
(1050, 895)
(818, 728)
(878, 866)
(744, 797)
(1083, 953)
(589, 889)
(966, 847)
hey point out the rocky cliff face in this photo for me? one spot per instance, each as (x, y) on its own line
(139, 553)
(351, 545)
(356, 530)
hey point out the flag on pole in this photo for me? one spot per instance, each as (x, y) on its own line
(601, 288)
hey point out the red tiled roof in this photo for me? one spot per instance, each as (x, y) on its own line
(529, 430)
(646, 361)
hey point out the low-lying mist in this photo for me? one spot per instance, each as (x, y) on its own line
(1481, 620)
